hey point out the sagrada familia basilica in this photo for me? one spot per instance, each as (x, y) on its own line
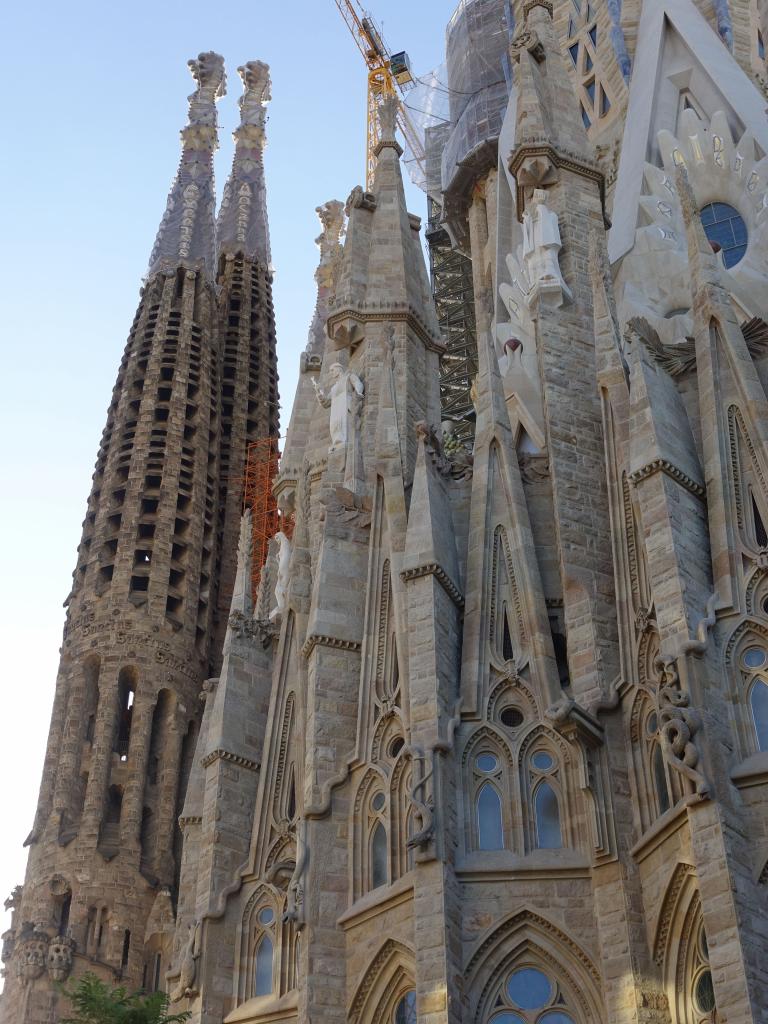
(489, 743)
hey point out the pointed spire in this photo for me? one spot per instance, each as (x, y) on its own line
(430, 535)
(186, 233)
(382, 269)
(242, 224)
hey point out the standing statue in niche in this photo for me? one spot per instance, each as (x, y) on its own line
(281, 586)
(345, 399)
(541, 246)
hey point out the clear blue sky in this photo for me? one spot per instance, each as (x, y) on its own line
(96, 95)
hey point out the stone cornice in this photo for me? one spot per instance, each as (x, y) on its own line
(442, 577)
(540, 148)
(225, 755)
(664, 466)
(396, 314)
(320, 640)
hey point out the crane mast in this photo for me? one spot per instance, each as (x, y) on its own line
(387, 73)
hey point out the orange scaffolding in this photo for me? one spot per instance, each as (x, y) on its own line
(261, 465)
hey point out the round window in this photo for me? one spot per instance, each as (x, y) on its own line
(542, 760)
(378, 801)
(266, 916)
(529, 988)
(511, 717)
(486, 763)
(652, 724)
(754, 657)
(396, 746)
(725, 228)
(704, 992)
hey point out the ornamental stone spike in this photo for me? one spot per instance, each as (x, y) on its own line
(242, 223)
(186, 233)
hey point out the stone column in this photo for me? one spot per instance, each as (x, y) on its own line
(101, 752)
(138, 753)
(161, 858)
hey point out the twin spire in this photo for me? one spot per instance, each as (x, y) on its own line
(189, 234)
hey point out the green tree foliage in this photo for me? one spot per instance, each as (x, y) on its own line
(94, 1002)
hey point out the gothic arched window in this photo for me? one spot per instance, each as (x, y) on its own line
(264, 938)
(754, 666)
(659, 777)
(405, 1011)
(379, 842)
(661, 794)
(488, 810)
(262, 974)
(546, 806)
(531, 996)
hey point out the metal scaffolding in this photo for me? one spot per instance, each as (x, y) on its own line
(262, 462)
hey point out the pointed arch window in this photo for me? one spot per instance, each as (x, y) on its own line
(544, 786)
(405, 1011)
(547, 814)
(659, 772)
(490, 832)
(488, 809)
(262, 974)
(758, 702)
(506, 630)
(379, 856)
(758, 524)
(264, 939)
(753, 662)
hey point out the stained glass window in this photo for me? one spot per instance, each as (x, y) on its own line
(490, 833)
(725, 227)
(547, 815)
(262, 985)
(405, 1013)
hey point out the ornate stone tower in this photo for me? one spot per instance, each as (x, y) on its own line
(492, 745)
(249, 401)
(196, 382)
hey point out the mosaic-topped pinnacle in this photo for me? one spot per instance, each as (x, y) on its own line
(242, 223)
(253, 103)
(208, 71)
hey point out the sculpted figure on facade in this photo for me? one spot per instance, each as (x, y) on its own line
(345, 400)
(281, 586)
(541, 246)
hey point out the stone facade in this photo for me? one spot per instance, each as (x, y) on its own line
(490, 743)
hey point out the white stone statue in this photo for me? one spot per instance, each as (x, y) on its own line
(281, 586)
(345, 399)
(541, 246)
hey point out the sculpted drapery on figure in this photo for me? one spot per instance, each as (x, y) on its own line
(541, 245)
(281, 586)
(344, 397)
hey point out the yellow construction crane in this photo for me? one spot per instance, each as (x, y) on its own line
(385, 70)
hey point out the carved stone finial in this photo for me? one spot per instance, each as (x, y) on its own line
(331, 216)
(208, 71)
(387, 118)
(253, 103)
(256, 81)
(245, 541)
